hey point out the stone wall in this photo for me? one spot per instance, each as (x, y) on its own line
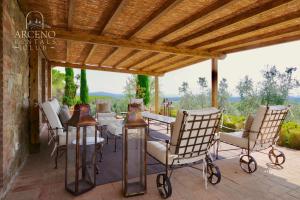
(14, 94)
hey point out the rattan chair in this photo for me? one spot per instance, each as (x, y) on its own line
(262, 134)
(191, 139)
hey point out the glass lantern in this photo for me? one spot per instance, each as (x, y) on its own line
(80, 171)
(134, 155)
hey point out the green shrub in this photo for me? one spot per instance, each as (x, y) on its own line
(233, 122)
(289, 135)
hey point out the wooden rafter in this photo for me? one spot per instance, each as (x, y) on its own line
(151, 64)
(256, 27)
(82, 36)
(234, 19)
(257, 37)
(190, 20)
(171, 61)
(107, 21)
(263, 44)
(101, 68)
(180, 65)
(166, 7)
(69, 24)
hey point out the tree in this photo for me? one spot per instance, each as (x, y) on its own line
(202, 82)
(84, 89)
(184, 88)
(69, 97)
(276, 85)
(130, 87)
(223, 94)
(143, 88)
(58, 84)
(249, 98)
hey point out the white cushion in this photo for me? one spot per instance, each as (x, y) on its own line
(106, 120)
(236, 139)
(186, 133)
(55, 105)
(72, 135)
(90, 140)
(257, 122)
(116, 128)
(158, 151)
(52, 116)
(110, 114)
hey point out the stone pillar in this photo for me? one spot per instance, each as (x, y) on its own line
(214, 82)
(34, 99)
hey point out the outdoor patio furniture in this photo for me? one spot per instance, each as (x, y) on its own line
(57, 133)
(260, 133)
(115, 129)
(138, 101)
(159, 118)
(103, 109)
(190, 142)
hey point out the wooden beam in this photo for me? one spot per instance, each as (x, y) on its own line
(166, 7)
(49, 80)
(156, 109)
(82, 36)
(34, 99)
(256, 27)
(264, 44)
(192, 19)
(213, 8)
(151, 64)
(69, 24)
(214, 82)
(179, 64)
(107, 22)
(101, 68)
(234, 19)
(173, 60)
(44, 80)
(155, 16)
(132, 53)
(257, 37)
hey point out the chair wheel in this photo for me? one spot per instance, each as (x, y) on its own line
(213, 173)
(276, 157)
(248, 164)
(164, 185)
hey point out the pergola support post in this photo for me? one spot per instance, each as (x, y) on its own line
(156, 94)
(49, 80)
(214, 82)
(34, 99)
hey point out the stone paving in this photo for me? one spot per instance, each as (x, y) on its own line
(38, 180)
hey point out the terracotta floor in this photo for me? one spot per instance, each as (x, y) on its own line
(38, 180)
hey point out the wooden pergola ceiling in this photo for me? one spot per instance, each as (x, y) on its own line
(159, 36)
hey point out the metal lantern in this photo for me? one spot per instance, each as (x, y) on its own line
(80, 172)
(134, 155)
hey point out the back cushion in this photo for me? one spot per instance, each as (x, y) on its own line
(55, 105)
(270, 124)
(103, 108)
(64, 115)
(52, 116)
(195, 129)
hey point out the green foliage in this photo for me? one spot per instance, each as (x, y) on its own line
(223, 94)
(58, 84)
(84, 90)
(276, 85)
(184, 88)
(69, 97)
(233, 122)
(249, 97)
(203, 100)
(143, 88)
(290, 135)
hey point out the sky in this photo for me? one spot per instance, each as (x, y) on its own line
(234, 67)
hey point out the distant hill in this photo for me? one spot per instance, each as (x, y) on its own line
(106, 94)
(176, 98)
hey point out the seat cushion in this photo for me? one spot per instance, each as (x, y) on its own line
(106, 120)
(235, 138)
(116, 128)
(90, 132)
(158, 151)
